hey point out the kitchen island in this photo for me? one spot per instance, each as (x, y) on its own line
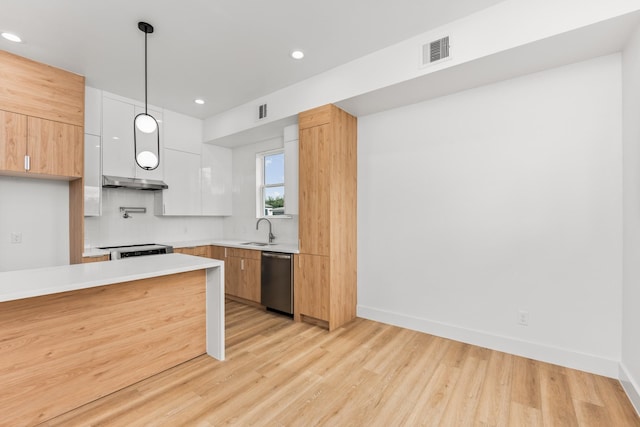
(72, 334)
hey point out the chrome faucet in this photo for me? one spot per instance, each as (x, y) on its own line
(271, 236)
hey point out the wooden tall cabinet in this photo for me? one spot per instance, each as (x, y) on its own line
(42, 129)
(325, 272)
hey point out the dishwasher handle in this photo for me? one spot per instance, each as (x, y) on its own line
(276, 255)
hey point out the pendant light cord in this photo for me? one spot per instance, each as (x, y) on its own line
(145, 73)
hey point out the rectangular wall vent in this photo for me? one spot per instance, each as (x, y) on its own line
(435, 51)
(262, 112)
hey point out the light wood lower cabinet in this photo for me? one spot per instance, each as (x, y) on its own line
(217, 252)
(202, 251)
(100, 258)
(242, 269)
(311, 286)
(241, 272)
(243, 276)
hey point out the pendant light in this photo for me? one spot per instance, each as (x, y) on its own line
(146, 136)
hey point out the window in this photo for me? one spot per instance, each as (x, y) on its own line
(270, 180)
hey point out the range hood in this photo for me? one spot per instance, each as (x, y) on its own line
(109, 181)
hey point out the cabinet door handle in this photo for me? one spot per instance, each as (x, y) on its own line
(242, 264)
(225, 252)
(27, 163)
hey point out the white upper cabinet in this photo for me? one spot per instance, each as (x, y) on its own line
(92, 176)
(198, 175)
(199, 184)
(182, 132)
(92, 111)
(182, 175)
(92, 151)
(291, 170)
(117, 136)
(216, 175)
(118, 155)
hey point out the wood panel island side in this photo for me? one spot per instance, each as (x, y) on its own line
(72, 334)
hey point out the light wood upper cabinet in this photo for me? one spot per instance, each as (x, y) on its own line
(43, 118)
(39, 90)
(13, 141)
(55, 148)
(314, 158)
(325, 270)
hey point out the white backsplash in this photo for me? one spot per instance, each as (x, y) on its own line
(112, 229)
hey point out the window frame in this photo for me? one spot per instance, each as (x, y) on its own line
(261, 186)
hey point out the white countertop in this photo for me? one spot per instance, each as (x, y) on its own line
(290, 248)
(20, 284)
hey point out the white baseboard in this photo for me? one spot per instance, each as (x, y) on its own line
(630, 387)
(545, 353)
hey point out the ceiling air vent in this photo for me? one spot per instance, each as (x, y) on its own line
(262, 111)
(435, 51)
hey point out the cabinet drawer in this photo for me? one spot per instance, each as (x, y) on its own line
(244, 253)
(216, 252)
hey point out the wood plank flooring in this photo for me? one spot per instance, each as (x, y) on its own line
(280, 373)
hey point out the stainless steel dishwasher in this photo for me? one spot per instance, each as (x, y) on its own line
(277, 282)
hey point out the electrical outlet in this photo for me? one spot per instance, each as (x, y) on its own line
(523, 317)
(16, 237)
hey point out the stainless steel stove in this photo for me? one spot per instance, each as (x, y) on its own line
(119, 252)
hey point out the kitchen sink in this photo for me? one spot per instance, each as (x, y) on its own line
(258, 244)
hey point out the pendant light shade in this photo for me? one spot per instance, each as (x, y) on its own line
(146, 123)
(147, 160)
(146, 133)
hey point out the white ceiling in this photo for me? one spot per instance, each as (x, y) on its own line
(227, 52)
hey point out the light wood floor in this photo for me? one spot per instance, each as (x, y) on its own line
(364, 374)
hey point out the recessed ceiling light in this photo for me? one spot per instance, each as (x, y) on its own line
(297, 54)
(12, 37)
(199, 101)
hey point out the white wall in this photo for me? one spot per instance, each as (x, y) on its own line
(503, 198)
(507, 25)
(630, 366)
(111, 229)
(39, 209)
(242, 225)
